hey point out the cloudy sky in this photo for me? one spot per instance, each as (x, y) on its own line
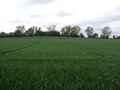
(42, 13)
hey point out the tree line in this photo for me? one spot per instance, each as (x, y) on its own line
(66, 31)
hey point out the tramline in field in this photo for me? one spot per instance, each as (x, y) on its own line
(59, 63)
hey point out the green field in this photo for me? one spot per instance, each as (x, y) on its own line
(59, 63)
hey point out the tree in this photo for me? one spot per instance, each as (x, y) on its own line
(66, 31)
(56, 33)
(70, 31)
(39, 32)
(89, 30)
(106, 32)
(20, 30)
(81, 35)
(51, 30)
(118, 37)
(18, 33)
(11, 34)
(114, 37)
(31, 31)
(63, 31)
(3, 34)
(53, 33)
(101, 36)
(95, 35)
(75, 31)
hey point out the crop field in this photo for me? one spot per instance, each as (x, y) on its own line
(59, 63)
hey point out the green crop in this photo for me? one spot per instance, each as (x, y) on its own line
(59, 63)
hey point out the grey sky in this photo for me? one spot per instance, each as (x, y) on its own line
(63, 14)
(42, 13)
(37, 16)
(32, 2)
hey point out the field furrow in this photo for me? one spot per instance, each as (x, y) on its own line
(59, 63)
(78, 46)
(3, 52)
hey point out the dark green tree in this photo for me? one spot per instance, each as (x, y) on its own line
(11, 34)
(114, 37)
(95, 35)
(3, 34)
(18, 33)
(81, 35)
(30, 31)
(39, 32)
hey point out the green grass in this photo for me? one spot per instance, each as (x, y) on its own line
(59, 63)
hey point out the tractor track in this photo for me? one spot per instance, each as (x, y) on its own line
(2, 53)
(83, 48)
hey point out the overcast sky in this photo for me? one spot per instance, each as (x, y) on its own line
(42, 13)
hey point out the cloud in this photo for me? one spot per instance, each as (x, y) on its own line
(37, 16)
(111, 19)
(15, 21)
(49, 24)
(106, 19)
(63, 14)
(32, 2)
